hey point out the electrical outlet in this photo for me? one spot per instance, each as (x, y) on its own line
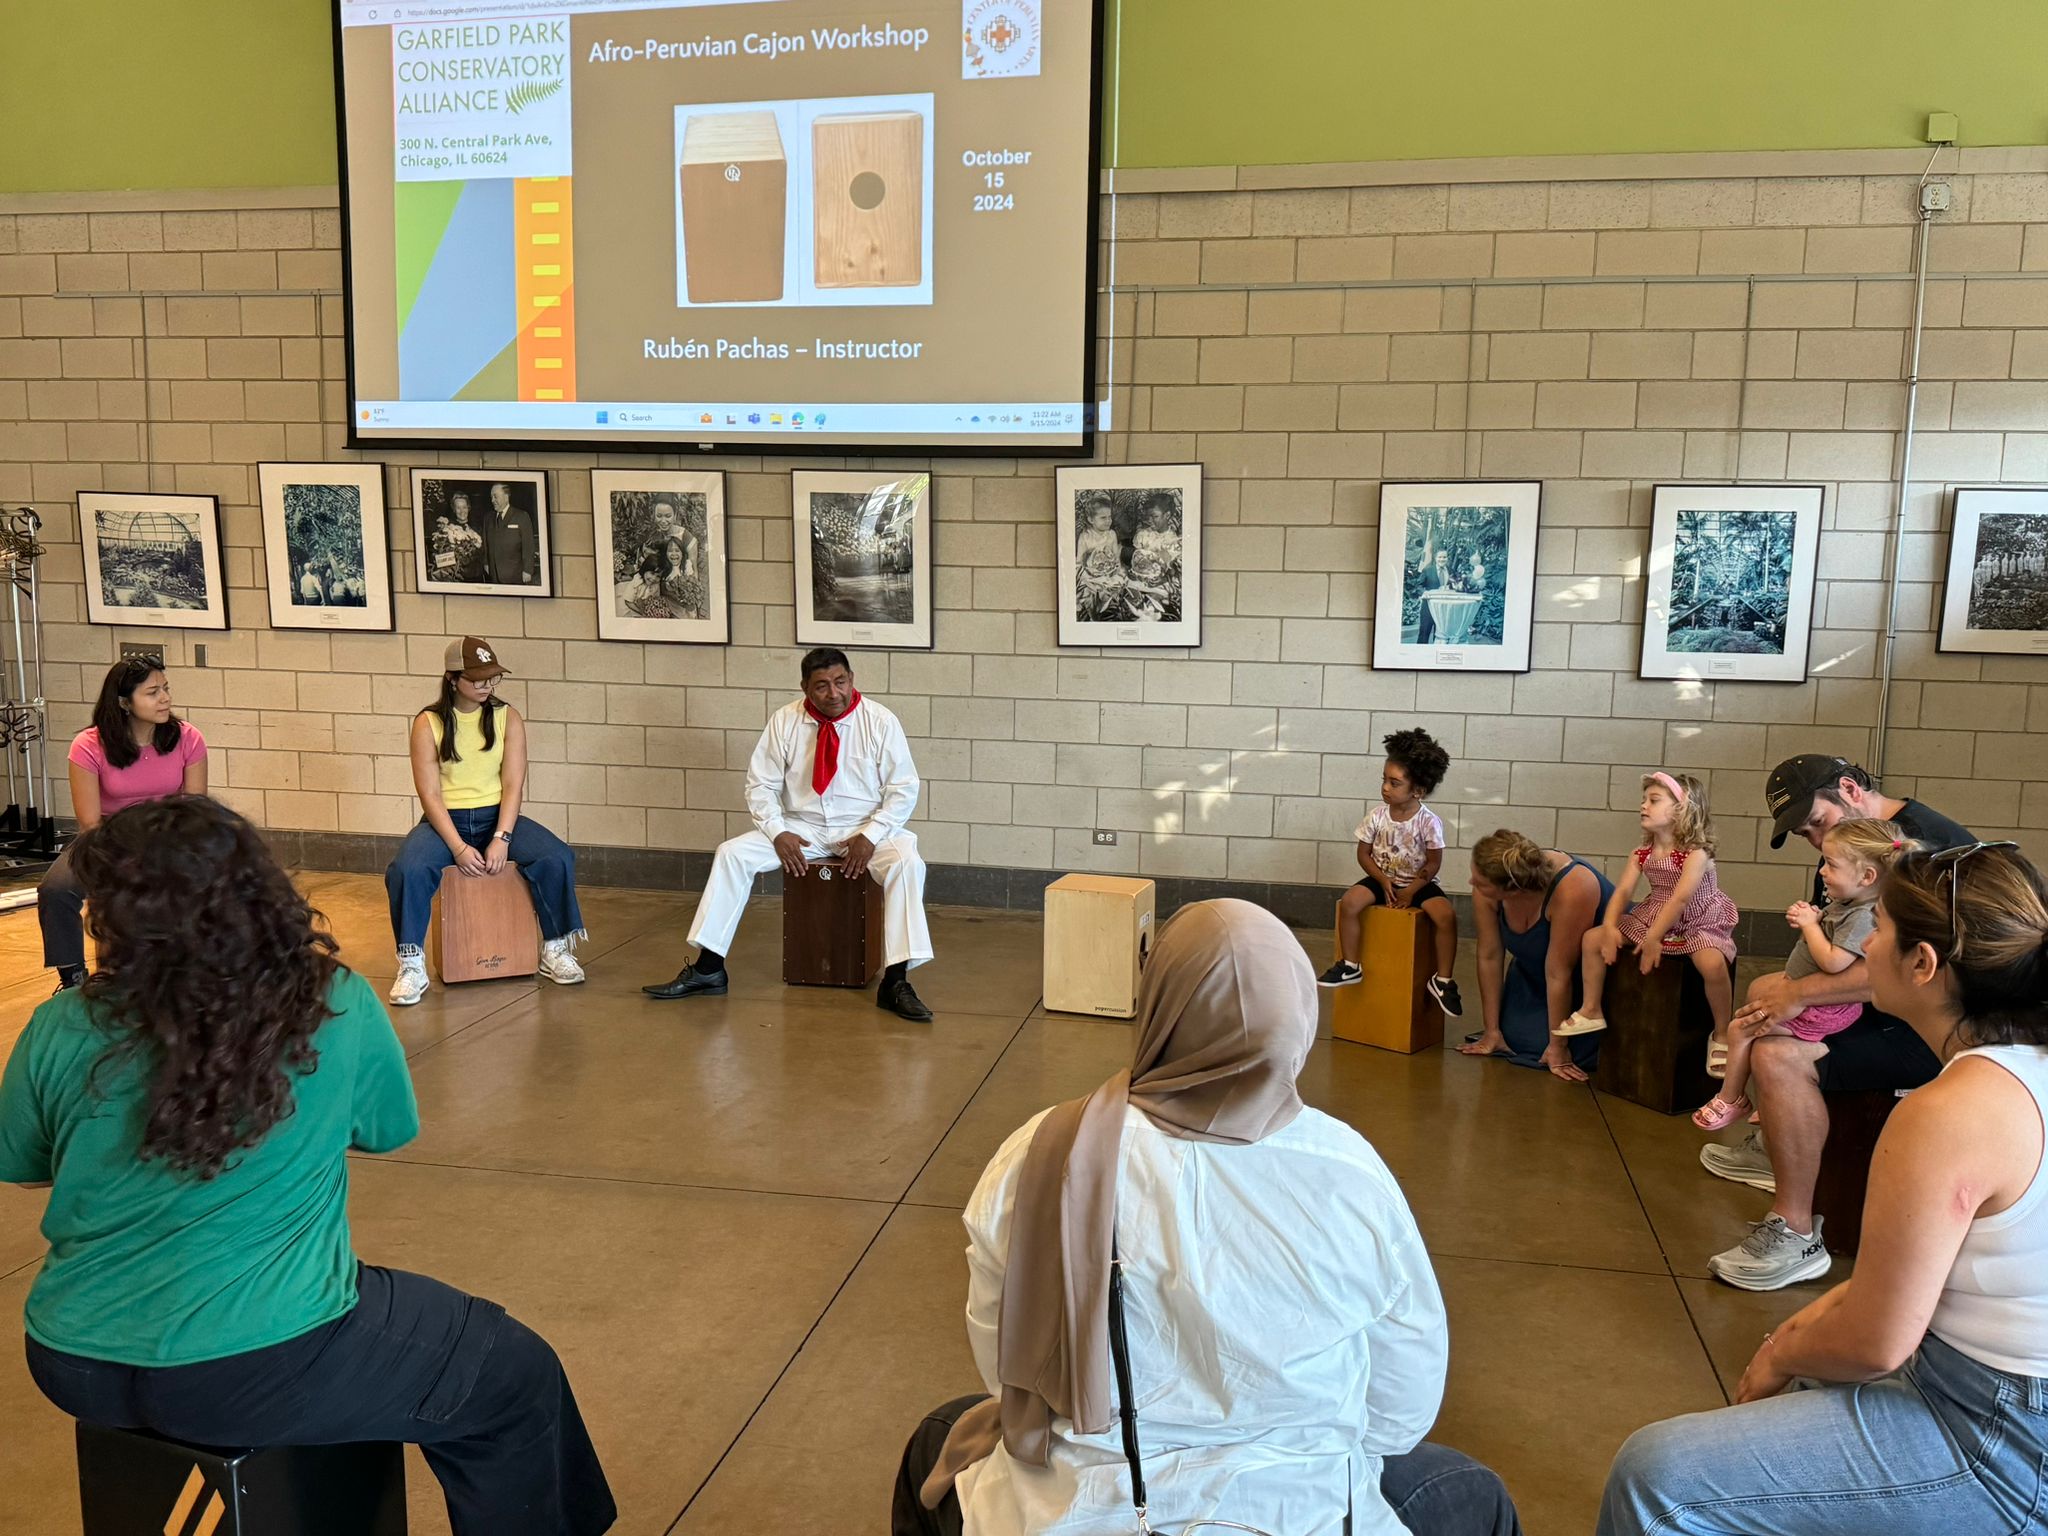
(1104, 838)
(1936, 197)
(199, 654)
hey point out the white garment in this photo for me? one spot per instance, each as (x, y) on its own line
(1400, 847)
(1286, 1334)
(905, 934)
(1994, 1307)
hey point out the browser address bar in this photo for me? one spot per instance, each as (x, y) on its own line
(382, 13)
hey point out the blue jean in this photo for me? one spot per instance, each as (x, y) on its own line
(548, 864)
(1943, 1444)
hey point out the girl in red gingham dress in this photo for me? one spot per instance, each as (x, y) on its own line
(1686, 912)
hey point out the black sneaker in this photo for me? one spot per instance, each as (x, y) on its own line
(1342, 974)
(1445, 991)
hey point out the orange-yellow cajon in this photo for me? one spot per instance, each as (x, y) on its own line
(735, 184)
(484, 928)
(1391, 1008)
(867, 193)
(1098, 930)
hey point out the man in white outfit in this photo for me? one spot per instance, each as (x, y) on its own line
(831, 778)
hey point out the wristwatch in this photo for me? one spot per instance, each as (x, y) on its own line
(506, 835)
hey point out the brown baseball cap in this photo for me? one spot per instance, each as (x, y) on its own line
(475, 659)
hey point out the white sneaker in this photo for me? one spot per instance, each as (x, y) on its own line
(1772, 1257)
(558, 962)
(1744, 1162)
(411, 984)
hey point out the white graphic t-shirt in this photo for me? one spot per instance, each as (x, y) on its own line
(1399, 847)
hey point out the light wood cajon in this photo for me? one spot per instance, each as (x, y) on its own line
(735, 183)
(1654, 1049)
(867, 193)
(1391, 1008)
(831, 928)
(1098, 931)
(484, 928)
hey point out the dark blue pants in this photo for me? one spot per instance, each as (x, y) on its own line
(548, 863)
(481, 1395)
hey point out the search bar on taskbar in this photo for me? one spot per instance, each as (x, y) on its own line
(383, 13)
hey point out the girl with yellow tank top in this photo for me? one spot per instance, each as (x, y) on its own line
(469, 767)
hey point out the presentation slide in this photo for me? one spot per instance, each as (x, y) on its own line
(771, 224)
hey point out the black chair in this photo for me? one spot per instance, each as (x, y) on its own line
(132, 1483)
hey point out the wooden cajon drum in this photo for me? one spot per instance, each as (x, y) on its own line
(1654, 1049)
(131, 1483)
(1855, 1120)
(484, 928)
(1098, 931)
(735, 185)
(831, 928)
(1391, 1007)
(867, 200)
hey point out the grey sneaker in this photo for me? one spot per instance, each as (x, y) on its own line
(1744, 1161)
(1772, 1257)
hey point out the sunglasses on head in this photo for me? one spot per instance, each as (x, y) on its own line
(1952, 860)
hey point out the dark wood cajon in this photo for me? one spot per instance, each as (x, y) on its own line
(1654, 1050)
(1855, 1120)
(131, 1483)
(831, 928)
(484, 928)
(1391, 1008)
(735, 184)
(867, 191)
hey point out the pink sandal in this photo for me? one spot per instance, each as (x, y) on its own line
(1717, 1114)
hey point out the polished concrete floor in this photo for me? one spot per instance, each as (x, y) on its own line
(738, 1218)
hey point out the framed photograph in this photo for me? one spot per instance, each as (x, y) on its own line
(1130, 554)
(1996, 598)
(326, 546)
(660, 555)
(152, 560)
(482, 533)
(1730, 590)
(863, 558)
(1457, 575)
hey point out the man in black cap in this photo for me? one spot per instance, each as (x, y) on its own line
(1807, 795)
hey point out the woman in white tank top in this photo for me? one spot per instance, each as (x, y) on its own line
(1913, 1397)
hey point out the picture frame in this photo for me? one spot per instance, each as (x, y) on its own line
(152, 561)
(466, 543)
(332, 518)
(1129, 542)
(1995, 596)
(661, 556)
(863, 558)
(1730, 582)
(1457, 575)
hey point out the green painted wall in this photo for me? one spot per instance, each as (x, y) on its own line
(196, 93)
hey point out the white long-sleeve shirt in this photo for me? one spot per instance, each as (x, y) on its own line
(1286, 1334)
(873, 794)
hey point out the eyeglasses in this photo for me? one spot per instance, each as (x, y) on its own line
(1953, 860)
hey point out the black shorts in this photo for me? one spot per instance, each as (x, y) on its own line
(1876, 1052)
(1423, 892)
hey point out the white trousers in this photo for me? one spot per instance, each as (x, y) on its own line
(905, 934)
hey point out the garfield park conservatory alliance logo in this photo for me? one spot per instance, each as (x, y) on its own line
(999, 39)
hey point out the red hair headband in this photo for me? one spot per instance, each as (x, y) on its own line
(1677, 789)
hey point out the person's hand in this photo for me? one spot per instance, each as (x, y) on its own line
(1610, 946)
(1770, 998)
(1800, 913)
(1399, 896)
(494, 859)
(790, 849)
(1559, 1060)
(856, 856)
(1652, 954)
(469, 861)
(1762, 1378)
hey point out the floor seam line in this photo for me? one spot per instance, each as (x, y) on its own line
(614, 1178)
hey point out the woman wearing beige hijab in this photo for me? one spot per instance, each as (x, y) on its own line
(1286, 1338)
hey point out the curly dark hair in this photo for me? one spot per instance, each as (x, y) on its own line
(172, 880)
(1416, 753)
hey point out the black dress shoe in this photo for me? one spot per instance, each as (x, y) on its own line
(690, 983)
(904, 1003)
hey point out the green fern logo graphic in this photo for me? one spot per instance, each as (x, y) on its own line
(530, 94)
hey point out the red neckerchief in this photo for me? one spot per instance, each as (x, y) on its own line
(825, 762)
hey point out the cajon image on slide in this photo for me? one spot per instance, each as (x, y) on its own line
(483, 927)
(867, 196)
(735, 185)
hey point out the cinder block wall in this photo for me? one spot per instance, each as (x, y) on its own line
(1301, 343)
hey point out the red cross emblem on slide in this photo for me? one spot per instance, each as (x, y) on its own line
(999, 34)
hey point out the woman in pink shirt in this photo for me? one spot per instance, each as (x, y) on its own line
(134, 750)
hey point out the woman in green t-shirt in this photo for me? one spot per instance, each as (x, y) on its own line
(194, 1123)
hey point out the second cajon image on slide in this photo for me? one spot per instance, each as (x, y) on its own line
(735, 191)
(867, 194)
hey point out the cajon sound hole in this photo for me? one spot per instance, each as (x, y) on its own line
(867, 191)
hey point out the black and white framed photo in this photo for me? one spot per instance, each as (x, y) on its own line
(482, 533)
(152, 560)
(660, 555)
(326, 546)
(1457, 575)
(863, 558)
(1730, 589)
(1130, 554)
(1996, 598)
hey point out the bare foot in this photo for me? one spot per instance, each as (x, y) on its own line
(1560, 1062)
(1485, 1045)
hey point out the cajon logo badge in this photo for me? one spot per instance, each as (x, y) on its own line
(732, 173)
(188, 1496)
(999, 39)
